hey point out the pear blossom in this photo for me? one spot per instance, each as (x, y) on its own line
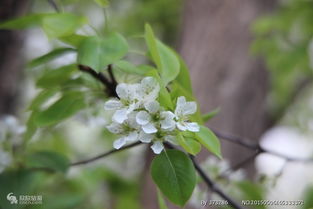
(138, 116)
(127, 103)
(153, 117)
(128, 131)
(182, 111)
(148, 90)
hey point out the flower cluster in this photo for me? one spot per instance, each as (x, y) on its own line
(137, 115)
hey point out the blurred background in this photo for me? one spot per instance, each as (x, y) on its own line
(251, 59)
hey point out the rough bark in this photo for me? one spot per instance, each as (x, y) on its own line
(11, 62)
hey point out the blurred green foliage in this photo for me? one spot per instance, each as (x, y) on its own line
(284, 39)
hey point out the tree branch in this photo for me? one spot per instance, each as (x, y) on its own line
(54, 5)
(110, 87)
(82, 162)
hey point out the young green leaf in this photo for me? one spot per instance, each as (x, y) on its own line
(56, 77)
(164, 58)
(61, 24)
(50, 56)
(97, 52)
(48, 160)
(23, 22)
(152, 46)
(174, 174)
(128, 67)
(189, 144)
(69, 104)
(41, 98)
(210, 115)
(208, 139)
(74, 39)
(183, 77)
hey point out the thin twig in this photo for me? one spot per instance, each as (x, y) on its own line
(54, 5)
(82, 162)
(110, 87)
(208, 181)
(112, 77)
(214, 187)
(257, 147)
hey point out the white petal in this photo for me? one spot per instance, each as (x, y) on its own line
(181, 101)
(122, 90)
(157, 147)
(113, 104)
(120, 115)
(167, 121)
(132, 136)
(143, 118)
(189, 108)
(152, 106)
(181, 126)
(149, 128)
(115, 128)
(193, 127)
(150, 88)
(117, 144)
(145, 138)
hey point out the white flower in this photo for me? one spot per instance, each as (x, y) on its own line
(151, 119)
(128, 102)
(182, 111)
(128, 131)
(5, 160)
(11, 128)
(149, 89)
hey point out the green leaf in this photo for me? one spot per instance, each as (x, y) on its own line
(210, 115)
(52, 161)
(18, 182)
(102, 3)
(97, 52)
(174, 174)
(183, 78)
(61, 24)
(69, 104)
(23, 22)
(42, 97)
(73, 39)
(189, 144)
(128, 67)
(164, 58)
(169, 63)
(152, 46)
(50, 56)
(208, 139)
(56, 77)
(161, 201)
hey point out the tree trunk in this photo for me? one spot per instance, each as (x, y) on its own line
(11, 62)
(215, 43)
